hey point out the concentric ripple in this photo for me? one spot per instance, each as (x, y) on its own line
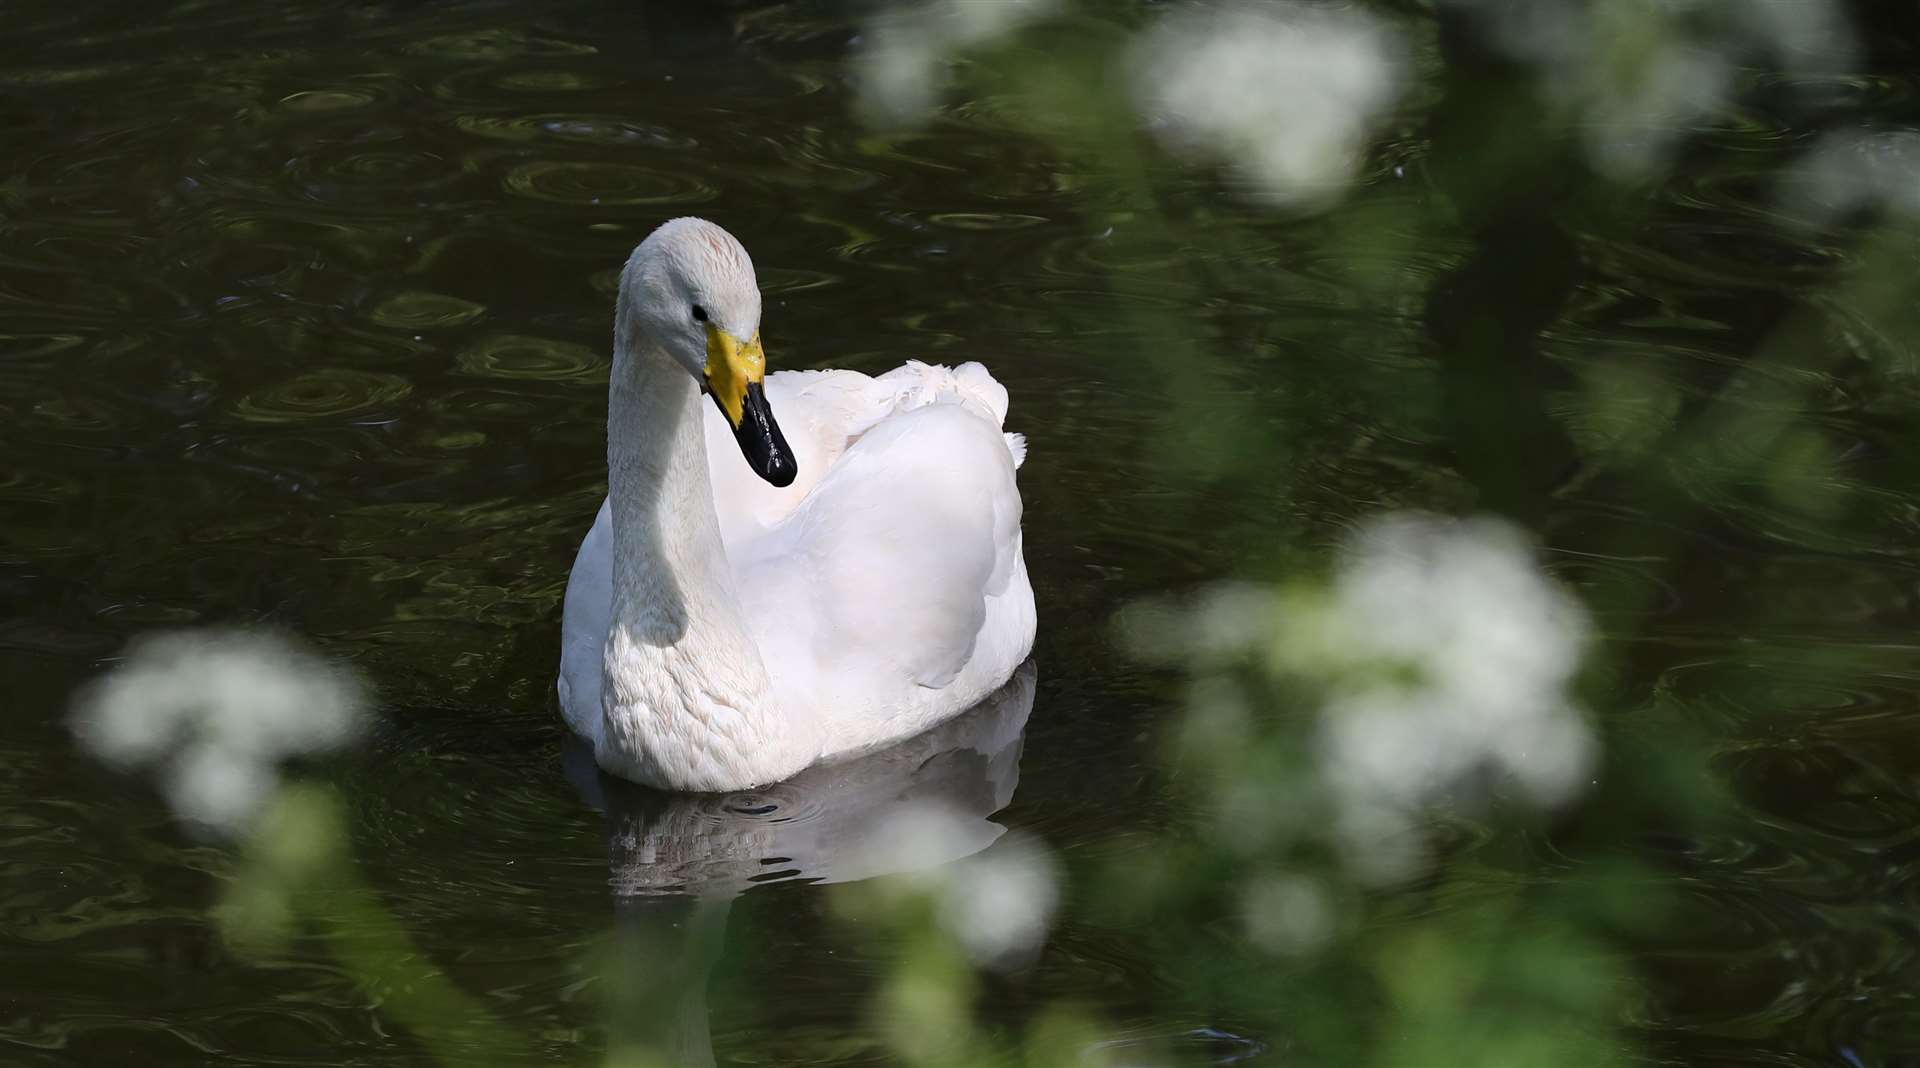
(425, 311)
(577, 129)
(329, 100)
(330, 393)
(536, 358)
(605, 184)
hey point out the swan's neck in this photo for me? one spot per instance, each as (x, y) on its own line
(685, 692)
(670, 567)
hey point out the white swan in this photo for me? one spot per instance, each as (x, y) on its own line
(723, 631)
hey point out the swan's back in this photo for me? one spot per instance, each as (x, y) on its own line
(823, 413)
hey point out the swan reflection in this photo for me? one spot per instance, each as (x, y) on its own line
(676, 861)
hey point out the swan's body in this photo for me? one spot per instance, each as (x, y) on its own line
(721, 632)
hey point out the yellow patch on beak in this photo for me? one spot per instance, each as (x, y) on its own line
(732, 366)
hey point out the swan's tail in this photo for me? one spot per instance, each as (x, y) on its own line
(917, 385)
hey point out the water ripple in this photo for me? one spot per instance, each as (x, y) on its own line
(605, 184)
(344, 98)
(329, 393)
(425, 311)
(577, 129)
(495, 44)
(516, 356)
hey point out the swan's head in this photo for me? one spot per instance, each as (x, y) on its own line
(688, 291)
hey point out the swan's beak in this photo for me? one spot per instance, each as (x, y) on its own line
(736, 373)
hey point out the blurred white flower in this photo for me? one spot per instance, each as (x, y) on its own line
(1640, 73)
(1286, 914)
(1633, 122)
(1459, 654)
(1233, 617)
(1442, 656)
(997, 903)
(219, 711)
(1286, 95)
(1853, 169)
(905, 54)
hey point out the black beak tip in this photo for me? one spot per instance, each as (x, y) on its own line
(761, 442)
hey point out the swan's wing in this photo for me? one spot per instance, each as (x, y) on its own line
(816, 411)
(584, 617)
(822, 413)
(904, 540)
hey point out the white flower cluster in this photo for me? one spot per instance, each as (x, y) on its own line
(218, 712)
(904, 57)
(997, 903)
(1641, 72)
(1442, 656)
(1479, 648)
(1852, 169)
(1285, 94)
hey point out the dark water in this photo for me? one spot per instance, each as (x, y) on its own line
(304, 317)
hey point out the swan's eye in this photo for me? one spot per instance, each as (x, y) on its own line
(699, 314)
